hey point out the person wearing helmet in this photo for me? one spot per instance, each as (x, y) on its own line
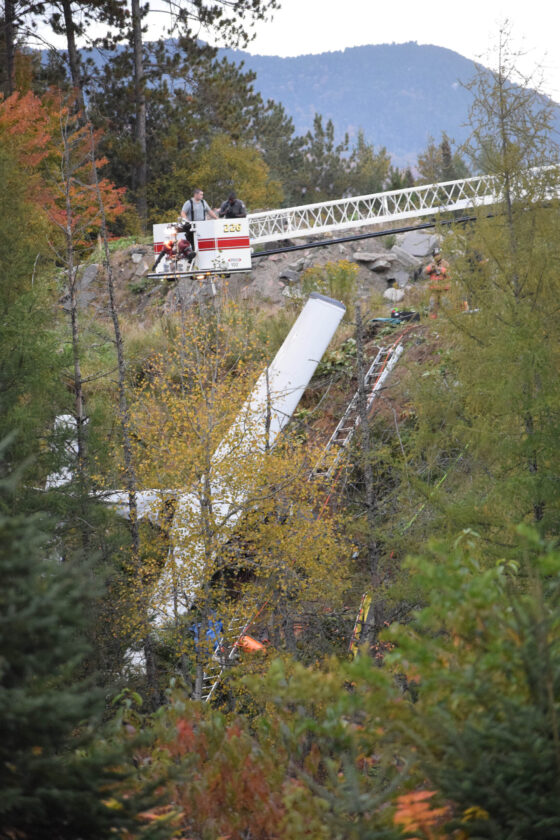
(438, 268)
(437, 272)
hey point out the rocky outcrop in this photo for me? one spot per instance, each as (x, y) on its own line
(392, 273)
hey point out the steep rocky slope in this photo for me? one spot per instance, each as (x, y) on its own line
(389, 273)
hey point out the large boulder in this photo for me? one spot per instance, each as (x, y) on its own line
(371, 257)
(289, 276)
(400, 277)
(404, 257)
(382, 264)
(86, 278)
(418, 243)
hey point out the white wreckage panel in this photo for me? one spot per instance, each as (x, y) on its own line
(267, 410)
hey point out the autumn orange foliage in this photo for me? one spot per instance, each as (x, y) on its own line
(50, 142)
(419, 818)
(231, 786)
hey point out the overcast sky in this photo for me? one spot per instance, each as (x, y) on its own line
(469, 28)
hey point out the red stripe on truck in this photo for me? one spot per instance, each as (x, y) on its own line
(233, 242)
(206, 245)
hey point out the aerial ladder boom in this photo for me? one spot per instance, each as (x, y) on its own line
(378, 208)
(225, 246)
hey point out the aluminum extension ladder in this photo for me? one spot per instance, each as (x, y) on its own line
(228, 642)
(374, 379)
(340, 439)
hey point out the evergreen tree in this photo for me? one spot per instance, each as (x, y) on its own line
(220, 18)
(323, 171)
(59, 778)
(189, 102)
(274, 136)
(438, 162)
(28, 344)
(485, 660)
(367, 170)
(399, 179)
(490, 407)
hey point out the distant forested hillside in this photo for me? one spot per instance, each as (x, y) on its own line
(398, 94)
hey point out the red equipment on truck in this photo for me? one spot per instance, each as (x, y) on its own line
(221, 246)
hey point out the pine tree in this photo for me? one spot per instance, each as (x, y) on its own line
(323, 172)
(485, 658)
(29, 362)
(153, 78)
(59, 777)
(274, 136)
(438, 162)
(490, 407)
(367, 169)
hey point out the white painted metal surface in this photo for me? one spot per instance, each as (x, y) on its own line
(65, 423)
(265, 413)
(280, 387)
(221, 245)
(268, 409)
(378, 208)
(149, 503)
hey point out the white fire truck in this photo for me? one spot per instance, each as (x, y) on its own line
(191, 249)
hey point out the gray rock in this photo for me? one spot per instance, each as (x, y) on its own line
(186, 291)
(371, 256)
(400, 277)
(87, 275)
(297, 266)
(141, 268)
(405, 258)
(137, 256)
(418, 243)
(381, 265)
(85, 296)
(394, 295)
(376, 283)
(265, 287)
(289, 275)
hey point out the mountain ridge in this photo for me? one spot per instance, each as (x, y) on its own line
(399, 95)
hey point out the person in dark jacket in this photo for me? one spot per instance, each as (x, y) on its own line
(232, 208)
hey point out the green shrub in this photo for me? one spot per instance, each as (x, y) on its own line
(336, 280)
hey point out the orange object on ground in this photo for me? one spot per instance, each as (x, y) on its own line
(250, 644)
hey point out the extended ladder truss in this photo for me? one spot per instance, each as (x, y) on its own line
(383, 207)
(226, 653)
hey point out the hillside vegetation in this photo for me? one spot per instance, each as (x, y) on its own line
(432, 547)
